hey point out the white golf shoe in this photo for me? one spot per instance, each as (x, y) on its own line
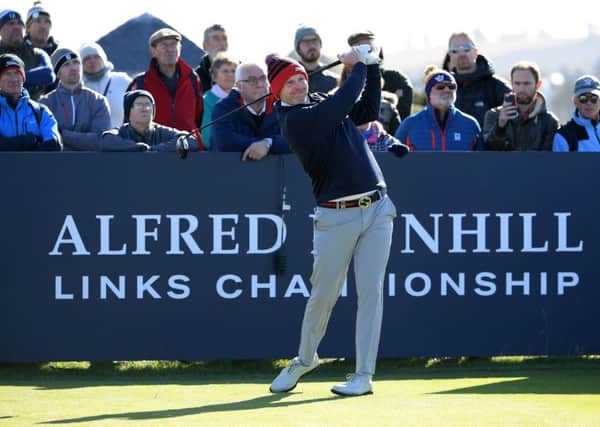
(355, 385)
(291, 374)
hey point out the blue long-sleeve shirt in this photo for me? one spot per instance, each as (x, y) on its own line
(324, 136)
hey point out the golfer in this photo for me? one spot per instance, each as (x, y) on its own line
(353, 218)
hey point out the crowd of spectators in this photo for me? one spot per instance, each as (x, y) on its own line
(54, 97)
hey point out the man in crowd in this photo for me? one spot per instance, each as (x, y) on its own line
(582, 132)
(252, 130)
(307, 43)
(99, 76)
(82, 114)
(479, 89)
(140, 132)
(522, 122)
(215, 41)
(173, 84)
(38, 71)
(37, 29)
(25, 125)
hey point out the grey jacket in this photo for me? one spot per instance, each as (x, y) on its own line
(82, 115)
(532, 133)
(156, 138)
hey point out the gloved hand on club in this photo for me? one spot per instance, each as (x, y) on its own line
(399, 149)
(367, 53)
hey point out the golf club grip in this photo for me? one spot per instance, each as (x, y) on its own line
(325, 67)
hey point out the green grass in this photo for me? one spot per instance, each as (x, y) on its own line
(508, 391)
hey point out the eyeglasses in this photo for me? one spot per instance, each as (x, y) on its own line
(466, 48)
(585, 98)
(255, 80)
(442, 86)
(142, 105)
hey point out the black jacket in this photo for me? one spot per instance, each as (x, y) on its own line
(480, 90)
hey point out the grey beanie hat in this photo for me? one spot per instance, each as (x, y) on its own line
(302, 32)
(92, 48)
(60, 56)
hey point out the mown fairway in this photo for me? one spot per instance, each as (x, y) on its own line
(498, 392)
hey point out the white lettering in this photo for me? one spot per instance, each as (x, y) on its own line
(106, 283)
(409, 287)
(528, 234)
(221, 286)
(510, 283)
(254, 234)
(459, 288)
(458, 232)
(296, 286)
(481, 281)
(256, 285)
(146, 286)
(567, 280)
(58, 291)
(219, 233)
(186, 235)
(105, 237)
(75, 240)
(141, 232)
(504, 232)
(411, 223)
(563, 245)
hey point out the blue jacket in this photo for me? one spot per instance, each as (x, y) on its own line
(585, 136)
(29, 126)
(238, 130)
(324, 136)
(422, 132)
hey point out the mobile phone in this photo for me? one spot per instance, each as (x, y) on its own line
(509, 98)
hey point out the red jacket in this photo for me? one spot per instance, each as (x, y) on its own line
(183, 112)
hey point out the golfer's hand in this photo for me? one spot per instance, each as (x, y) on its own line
(349, 58)
(256, 151)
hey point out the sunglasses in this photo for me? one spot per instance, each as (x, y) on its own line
(462, 48)
(585, 98)
(442, 86)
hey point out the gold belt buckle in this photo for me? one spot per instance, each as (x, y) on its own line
(364, 202)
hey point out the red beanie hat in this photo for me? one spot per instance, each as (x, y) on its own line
(280, 70)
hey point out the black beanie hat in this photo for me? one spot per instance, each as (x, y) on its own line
(8, 60)
(130, 97)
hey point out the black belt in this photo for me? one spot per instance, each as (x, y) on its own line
(361, 202)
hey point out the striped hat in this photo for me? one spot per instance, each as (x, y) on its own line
(280, 70)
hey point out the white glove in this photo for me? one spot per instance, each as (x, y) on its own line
(367, 53)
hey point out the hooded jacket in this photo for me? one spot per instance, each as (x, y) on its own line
(113, 86)
(480, 90)
(534, 132)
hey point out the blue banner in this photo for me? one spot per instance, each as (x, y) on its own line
(118, 256)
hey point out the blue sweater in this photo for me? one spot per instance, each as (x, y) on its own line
(324, 136)
(422, 132)
(238, 130)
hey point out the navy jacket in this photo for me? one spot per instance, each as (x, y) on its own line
(323, 133)
(238, 130)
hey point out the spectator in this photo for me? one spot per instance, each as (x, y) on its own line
(173, 84)
(140, 132)
(223, 76)
(307, 43)
(215, 41)
(24, 124)
(393, 81)
(81, 113)
(99, 76)
(582, 132)
(524, 124)
(252, 130)
(37, 29)
(440, 126)
(38, 71)
(478, 88)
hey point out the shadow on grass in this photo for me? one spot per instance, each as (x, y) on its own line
(262, 402)
(563, 375)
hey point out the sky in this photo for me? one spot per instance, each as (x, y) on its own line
(258, 27)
